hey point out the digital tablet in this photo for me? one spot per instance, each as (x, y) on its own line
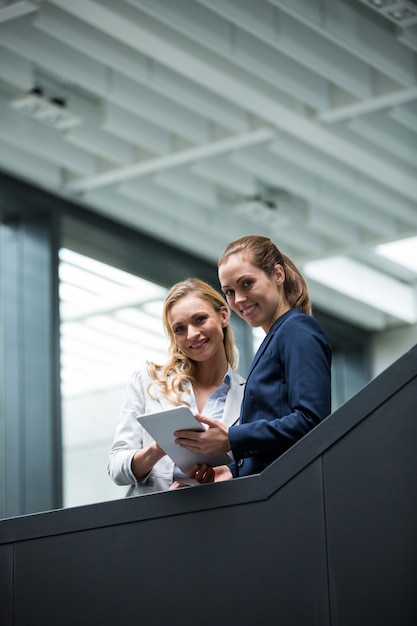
(161, 426)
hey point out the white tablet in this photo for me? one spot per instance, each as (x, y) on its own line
(161, 426)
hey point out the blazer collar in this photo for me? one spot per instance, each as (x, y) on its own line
(269, 336)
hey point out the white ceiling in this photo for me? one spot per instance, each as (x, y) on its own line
(199, 121)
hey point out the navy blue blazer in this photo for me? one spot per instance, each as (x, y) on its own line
(288, 392)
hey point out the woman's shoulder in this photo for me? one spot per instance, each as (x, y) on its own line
(141, 376)
(297, 322)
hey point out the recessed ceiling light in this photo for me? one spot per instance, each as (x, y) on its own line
(52, 112)
(403, 252)
(379, 4)
(402, 14)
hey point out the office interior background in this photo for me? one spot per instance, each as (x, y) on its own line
(139, 137)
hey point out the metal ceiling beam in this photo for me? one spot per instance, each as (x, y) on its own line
(371, 105)
(184, 183)
(332, 172)
(61, 60)
(135, 129)
(29, 166)
(240, 48)
(223, 172)
(205, 235)
(159, 164)
(204, 68)
(172, 117)
(136, 66)
(16, 70)
(296, 39)
(406, 115)
(361, 37)
(300, 182)
(16, 9)
(384, 133)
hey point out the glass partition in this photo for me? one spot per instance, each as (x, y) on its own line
(110, 325)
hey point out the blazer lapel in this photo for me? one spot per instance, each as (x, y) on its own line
(261, 351)
(269, 336)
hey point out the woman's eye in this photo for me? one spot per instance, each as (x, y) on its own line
(228, 293)
(178, 330)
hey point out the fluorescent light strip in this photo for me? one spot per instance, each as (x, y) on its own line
(403, 252)
(367, 285)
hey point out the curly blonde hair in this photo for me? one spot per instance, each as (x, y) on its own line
(179, 368)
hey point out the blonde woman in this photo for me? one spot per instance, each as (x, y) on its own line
(200, 374)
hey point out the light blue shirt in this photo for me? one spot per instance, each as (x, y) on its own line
(213, 408)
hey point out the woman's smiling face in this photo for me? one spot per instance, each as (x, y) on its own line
(251, 293)
(197, 327)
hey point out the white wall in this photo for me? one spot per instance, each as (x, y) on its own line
(387, 347)
(89, 423)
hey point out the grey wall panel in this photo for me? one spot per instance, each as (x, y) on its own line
(371, 512)
(242, 564)
(6, 584)
(325, 535)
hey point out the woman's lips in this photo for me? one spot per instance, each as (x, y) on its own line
(247, 311)
(200, 344)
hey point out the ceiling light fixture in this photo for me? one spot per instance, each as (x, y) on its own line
(272, 206)
(50, 111)
(403, 12)
(381, 4)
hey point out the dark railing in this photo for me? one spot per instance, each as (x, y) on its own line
(326, 536)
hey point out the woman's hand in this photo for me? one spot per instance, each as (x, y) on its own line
(177, 485)
(202, 473)
(214, 440)
(144, 460)
(208, 474)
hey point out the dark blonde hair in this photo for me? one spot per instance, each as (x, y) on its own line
(265, 255)
(180, 368)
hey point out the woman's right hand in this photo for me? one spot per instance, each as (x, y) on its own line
(144, 460)
(208, 474)
(202, 473)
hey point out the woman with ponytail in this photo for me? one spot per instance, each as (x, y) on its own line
(288, 388)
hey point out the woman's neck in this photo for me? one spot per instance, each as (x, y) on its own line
(210, 375)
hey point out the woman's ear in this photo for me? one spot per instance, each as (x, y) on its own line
(224, 312)
(279, 274)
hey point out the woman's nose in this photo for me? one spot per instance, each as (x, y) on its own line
(191, 331)
(239, 297)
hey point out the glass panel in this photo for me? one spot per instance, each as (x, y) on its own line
(111, 324)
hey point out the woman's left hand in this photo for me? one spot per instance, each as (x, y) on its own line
(214, 440)
(177, 485)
